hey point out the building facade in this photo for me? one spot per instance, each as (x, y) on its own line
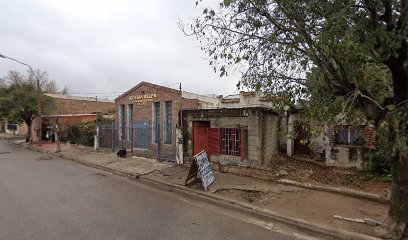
(67, 110)
(147, 116)
(244, 136)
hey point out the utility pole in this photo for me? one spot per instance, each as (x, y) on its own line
(58, 136)
(57, 131)
(181, 108)
(179, 146)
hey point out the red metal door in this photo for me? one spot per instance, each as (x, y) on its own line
(200, 137)
(213, 136)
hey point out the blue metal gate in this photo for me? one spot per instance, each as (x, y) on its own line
(142, 135)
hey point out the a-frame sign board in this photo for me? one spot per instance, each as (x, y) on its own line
(201, 165)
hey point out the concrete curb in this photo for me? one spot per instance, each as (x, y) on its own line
(326, 232)
(343, 191)
(352, 193)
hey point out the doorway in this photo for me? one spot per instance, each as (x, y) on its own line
(200, 136)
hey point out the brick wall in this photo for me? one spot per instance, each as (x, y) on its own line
(66, 120)
(72, 106)
(143, 106)
(190, 104)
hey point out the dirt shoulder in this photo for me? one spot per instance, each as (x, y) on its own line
(306, 171)
(317, 207)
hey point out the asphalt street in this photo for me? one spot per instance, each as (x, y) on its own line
(44, 197)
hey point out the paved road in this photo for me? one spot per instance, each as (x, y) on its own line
(43, 198)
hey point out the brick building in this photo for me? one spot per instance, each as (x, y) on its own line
(72, 109)
(66, 110)
(147, 115)
(64, 104)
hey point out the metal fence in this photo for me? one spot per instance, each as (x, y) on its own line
(140, 139)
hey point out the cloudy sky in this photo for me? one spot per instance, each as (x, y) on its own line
(104, 47)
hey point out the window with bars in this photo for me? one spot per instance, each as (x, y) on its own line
(231, 141)
(346, 135)
(168, 129)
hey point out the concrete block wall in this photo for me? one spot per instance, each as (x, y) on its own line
(255, 146)
(282, 133)
(345, 156)
(259, 124)
(229, 122)
(271, 139)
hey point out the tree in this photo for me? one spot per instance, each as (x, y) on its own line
(20, 104)
(344, 56)
(47, 85)
(18, 98)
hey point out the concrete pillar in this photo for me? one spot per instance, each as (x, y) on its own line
(255, 153)
(290, 146)
(179, 147)
(96, 139)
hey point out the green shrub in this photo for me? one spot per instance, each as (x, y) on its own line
(82, 133)
(381, 155)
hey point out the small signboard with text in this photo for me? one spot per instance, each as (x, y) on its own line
(201, 165)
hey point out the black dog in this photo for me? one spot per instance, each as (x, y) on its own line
(122, 153)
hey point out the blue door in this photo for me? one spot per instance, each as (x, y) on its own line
(142, 134)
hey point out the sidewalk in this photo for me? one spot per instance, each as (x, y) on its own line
(131, 165)
(300, 205)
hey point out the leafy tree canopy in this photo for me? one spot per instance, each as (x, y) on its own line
(19, 96)
(47, 85)
(343, 56)
(346, 51)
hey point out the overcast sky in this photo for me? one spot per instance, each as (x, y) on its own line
(105, 46)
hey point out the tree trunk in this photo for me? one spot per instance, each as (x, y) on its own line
(397, 222)
(28, 137)
(57, 136)
(398, 211)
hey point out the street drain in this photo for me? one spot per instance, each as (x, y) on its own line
(4, 152)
